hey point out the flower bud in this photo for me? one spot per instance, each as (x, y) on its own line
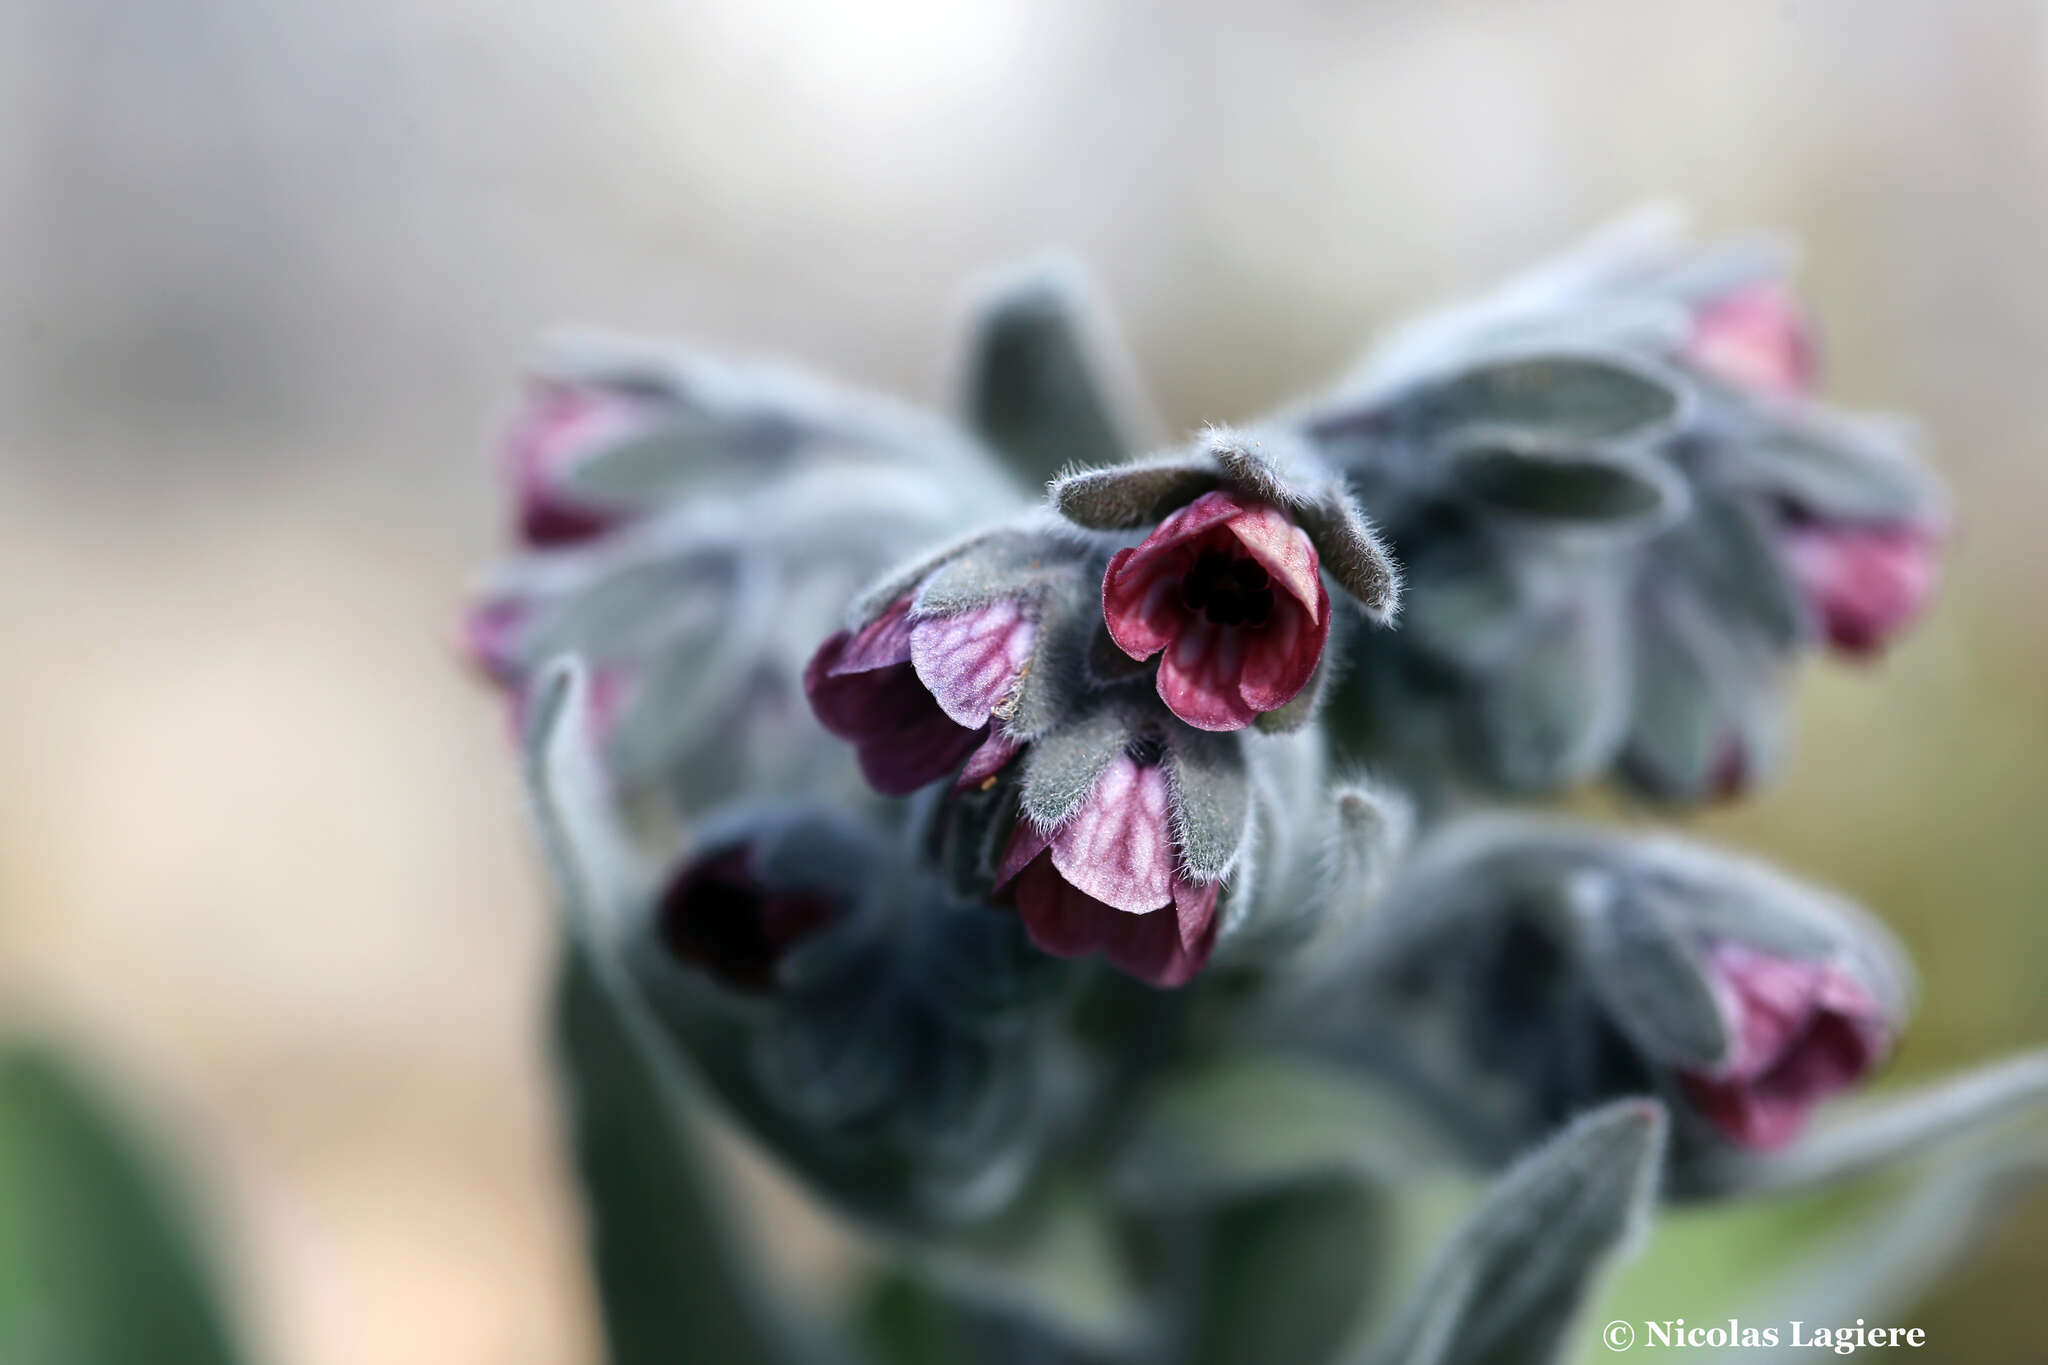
(1865, 584)
(1520, 971)
(1800, 1030)
(561, 425)
(1755, 337)
(719, 914)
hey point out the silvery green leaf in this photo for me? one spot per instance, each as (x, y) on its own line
(1271, 464)
(1574, 400)
(99, 1261)
(1210, 800)
(1703, 722)
(1883, 1261)
(675, 1279)
(1054, 1262)
(1556, 484)
(1725, 554)
(834, 1056)
(980, 968)
(901, 581)
(1854, 1137)
(997, 568)
(1836, 467)
(1284, 1275)
(1352, 552)
(1207, 1132)
(1554, 713)
(1062, 765)
(964, 1098)
(1650, 973)
(1047, 382)
(1511, 1282)
(1465, 604)
(1126, 497)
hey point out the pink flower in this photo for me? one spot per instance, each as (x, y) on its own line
(561, 426)
(1229, 589)
(716, 914)
(1801, 1031)
(916, 698)
(1866, 583)
(1757, 338)
(1108, 880)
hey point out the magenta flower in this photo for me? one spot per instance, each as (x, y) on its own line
(560, 426)
(917, 698)
(718, 915)
(1756, 338)
(1865, 583)
(1229, 590)
(1108, 881)
(1802, 1031)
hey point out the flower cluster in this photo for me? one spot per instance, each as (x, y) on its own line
(1004, 862)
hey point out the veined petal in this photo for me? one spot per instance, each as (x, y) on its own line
(1282, 657)
(1201, 676)
(1141, 602)
(1118, 847)
(972, 659)
(1060, 918)
(1284, 551)
(880, 643)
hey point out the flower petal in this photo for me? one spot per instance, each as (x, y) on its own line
(1027, 841)
(1284, 551)
(1167, 947)
(1201, 676)
(985, 762)
(1118, 847)
(972, 659)
(880, 643)
(1758, 338)
(1282, 658)
(1141, 601)
(1060, 918)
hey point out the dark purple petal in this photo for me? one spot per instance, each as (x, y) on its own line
(560, 427)
(716, 915)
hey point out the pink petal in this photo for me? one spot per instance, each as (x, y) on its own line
(1118, 847)
(972, 659)
(991, 758)
(881, 643)
(1026, 843)
(1284, 551)
(1141, 601)
(490, 638)
(1201, 676)
(1800, 1031)
(1282, 657)
(562, 426)
(1866, 583)
(1756, 337)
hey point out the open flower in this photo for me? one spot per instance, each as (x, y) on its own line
(560, 426)
(1756, 337)
(1108, 879)
(1228, 589)
(1800, 1031)
(718, 914)
(1864, 583)
(917, 697)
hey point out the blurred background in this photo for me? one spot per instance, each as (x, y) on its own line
(268, 271)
